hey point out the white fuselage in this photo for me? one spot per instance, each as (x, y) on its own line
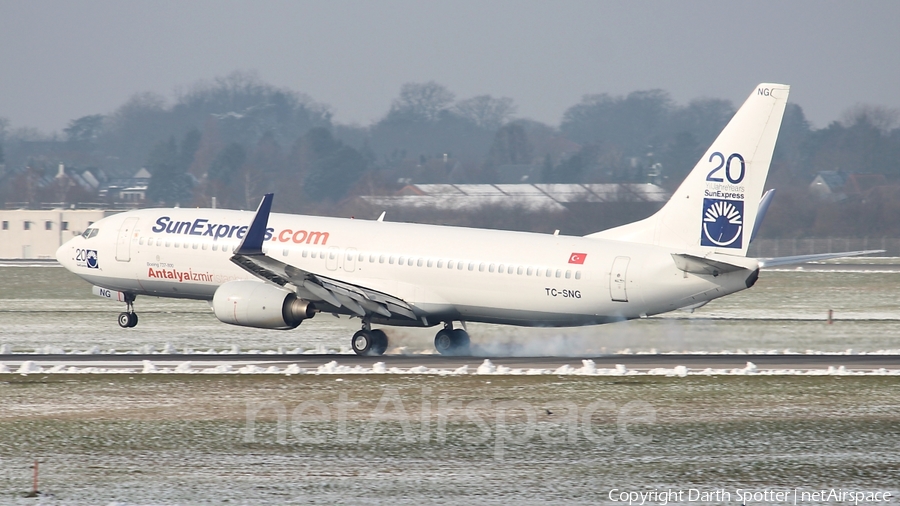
(444, 273)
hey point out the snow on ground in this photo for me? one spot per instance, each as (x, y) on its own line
(588, 368)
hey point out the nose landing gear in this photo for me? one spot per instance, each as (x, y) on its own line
(129, 318)
(450, 341)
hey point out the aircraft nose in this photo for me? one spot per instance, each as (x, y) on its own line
(64, 254)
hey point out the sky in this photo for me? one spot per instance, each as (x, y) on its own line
(60, 60)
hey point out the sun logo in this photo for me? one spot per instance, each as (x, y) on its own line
(723, 223)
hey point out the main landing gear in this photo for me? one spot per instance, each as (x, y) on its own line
(129, 318)
(374, 342)
(450, 341)
(369, 342)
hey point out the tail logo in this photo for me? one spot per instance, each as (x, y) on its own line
(723, 223)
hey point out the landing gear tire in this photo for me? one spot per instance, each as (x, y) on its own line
(128, 320)
(450, 341)
(362, 342)
(380, 342)
(369, 342)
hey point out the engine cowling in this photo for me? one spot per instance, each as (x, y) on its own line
(259, 304)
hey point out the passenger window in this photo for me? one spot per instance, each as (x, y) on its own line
(391, 260)
(568, 274)
(381, 259)
(284, 252)
(530, 271)
(481, 267)
(419, 262)
(402, 260)
(194, 246)
(459, 266)
(167, 244)
(558, 272)
(176, 244)
(304, 253)
(430, 262)
(449, 264)
(204, 246)
(409, 262)
(549, 272)
(141, 241)
(372, 258)
(490, 268)
(577, 274)
(519, 270)
(509, 270)
(471, 266)
(215, 247)
(440, 264)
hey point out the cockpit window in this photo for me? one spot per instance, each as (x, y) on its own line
(91, 232)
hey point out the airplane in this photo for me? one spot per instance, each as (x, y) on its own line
(272, 271)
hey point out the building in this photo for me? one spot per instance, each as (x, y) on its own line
(132, 190)
(837, 185)
(36, 234)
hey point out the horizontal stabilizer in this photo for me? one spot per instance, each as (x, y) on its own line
(700, 265)
(800, 259)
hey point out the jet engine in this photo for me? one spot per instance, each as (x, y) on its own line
(259, 304)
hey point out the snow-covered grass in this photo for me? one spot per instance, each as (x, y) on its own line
(588, 368)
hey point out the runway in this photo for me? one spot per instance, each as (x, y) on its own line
(436, 363)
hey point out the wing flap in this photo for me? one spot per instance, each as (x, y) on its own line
(358, 299)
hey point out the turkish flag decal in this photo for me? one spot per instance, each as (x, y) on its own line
(577, 258)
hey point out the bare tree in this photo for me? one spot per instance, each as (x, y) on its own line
(486, 111)
(882, 118)
(422, 100)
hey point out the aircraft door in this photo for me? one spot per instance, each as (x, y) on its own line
(333, 258)
(123, 245)
(618, 279)
(350, 259)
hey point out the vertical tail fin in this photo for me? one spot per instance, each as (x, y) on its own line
(715, 208)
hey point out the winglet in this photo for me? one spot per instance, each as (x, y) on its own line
(763, 207)
(256, 234)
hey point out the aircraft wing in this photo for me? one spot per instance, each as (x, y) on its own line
(799, 259)
(311, 286)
